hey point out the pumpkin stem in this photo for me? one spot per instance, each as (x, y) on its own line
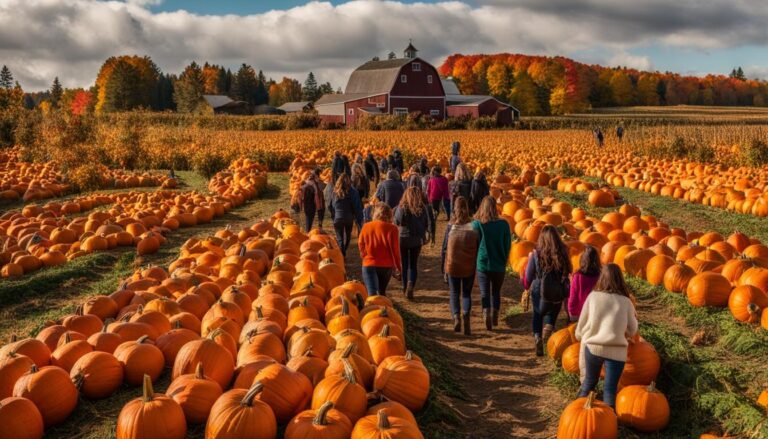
(383, 420)
(349, 371)
(348, 350)
(215, 333)
(409, 355)
(176, 324)
(78, 380)
(384, 331)
(259, 312)
(590, 400)
(149, 392)
(142, 339)
(652, 387)
(384, 312)
(255, 389)
(14, 338)
(344, 306)
(67, 338)
(322, 412)
(199, 374)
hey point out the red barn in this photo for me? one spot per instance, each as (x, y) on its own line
(394, 86)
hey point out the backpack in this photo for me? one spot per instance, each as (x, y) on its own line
(552, 290)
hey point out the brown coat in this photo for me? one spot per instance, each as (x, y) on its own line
(461, 251)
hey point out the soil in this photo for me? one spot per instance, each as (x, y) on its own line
(507, 392)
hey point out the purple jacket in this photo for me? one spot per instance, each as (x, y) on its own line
(437, 189)
(581, 286)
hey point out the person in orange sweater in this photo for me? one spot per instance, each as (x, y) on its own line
(379, 244)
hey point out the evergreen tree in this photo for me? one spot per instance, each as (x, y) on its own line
(221, 82)
(324, 89)
(310, 90)
(56, 92)
(262, 90)
(391, 55)
(122, 91)
(165, 93)
(738, 73)
(188, 89)
(6, 78)
(245, 84)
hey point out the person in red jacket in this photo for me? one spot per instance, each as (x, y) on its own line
(379, 244)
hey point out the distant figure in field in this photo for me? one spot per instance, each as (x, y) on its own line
(599, 138)
(455, 159)
(619, 132)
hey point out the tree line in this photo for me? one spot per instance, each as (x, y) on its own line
(539, 85)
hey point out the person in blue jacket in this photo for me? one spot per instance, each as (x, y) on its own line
(455, 159)
(391, 190)
(346, 209)
(412, 216)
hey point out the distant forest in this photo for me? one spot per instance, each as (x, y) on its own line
(539, 85)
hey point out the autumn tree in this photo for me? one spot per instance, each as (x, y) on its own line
(122, 91)
(324, 89)
(211, 79)
(499, 79)
(287, 90)
(523, 95)
(144, 73)
(621, 88)
(647, 90)
(188, 89)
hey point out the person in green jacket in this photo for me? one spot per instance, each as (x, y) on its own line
(492, 255)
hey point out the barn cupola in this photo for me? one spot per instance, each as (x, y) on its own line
(410, 51)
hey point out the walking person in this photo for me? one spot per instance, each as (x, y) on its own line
(438, 193)
(379, 245)
(461, 186)
(326, 190)
(346, 209)
(583, 281)
(480, 189)
(399, 164)
(620, 132)
(460, 247)
(371, 169)
(413, 219)
(492, 255)
(360, 181)
(337, 166)
(606, 322)
(311, 199)
(455, 159)
(423, 166)
(414, 179)
(546, 277)
(383, 167)
(391, 190)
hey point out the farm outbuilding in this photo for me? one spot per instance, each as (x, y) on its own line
(296, 107)
(221, 104)
(402, 86)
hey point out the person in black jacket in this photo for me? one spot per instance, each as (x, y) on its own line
(455, 159)
(413, 219)
(346, 209)
(414, 179)
(371, 169)
(320, 210)
(347, 166)
(360, 182)
(337, 166)
(480, 190)
(311, 199)
(384, 167)
(461, 186)
(423, 166)
(399, 164)
(391, 190)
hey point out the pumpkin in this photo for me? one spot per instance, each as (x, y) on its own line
(51, 390)
(69, 351)
(677, 278)
(172, 341)
(286, 391)
(587, 418)
(238, 414)
(642, 366)
(196, 394)
(245, 374)
(97, 375)
(403, 378)
(381, 425)
(151, 416)
(36, 350)
(20, 419)
(383, 345)
(12, 367)
(570, 358)
(708, 289)
(364, 370)
(657, 268)
(322, 423)
(393, 410)
(344, 392)
(643, 408)
(139, 359)
(105, 341)
(216, 360)
(559, 341)
(310, 365)
(261, 343)
(746, 303)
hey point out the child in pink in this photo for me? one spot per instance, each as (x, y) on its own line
(583, 281)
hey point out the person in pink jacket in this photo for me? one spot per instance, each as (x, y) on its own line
(438, 193)
(583, 281)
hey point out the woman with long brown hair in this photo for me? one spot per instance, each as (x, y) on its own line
(346, 209)
(546, 277)
(379, 244)
(492, 255)
(460, 263)
(412, 217)
(608, 319)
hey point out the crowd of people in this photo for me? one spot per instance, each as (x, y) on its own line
(396, 217)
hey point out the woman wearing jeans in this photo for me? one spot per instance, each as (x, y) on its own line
(346, 209)
(413, 218)
(460, 247)
(607, 320)
(492, 255)
(438, 193)
(550, 257)
(379, 244)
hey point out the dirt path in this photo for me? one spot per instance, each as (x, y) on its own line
(506, 384)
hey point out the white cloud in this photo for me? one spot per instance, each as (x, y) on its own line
(40, 39)
(625, 59)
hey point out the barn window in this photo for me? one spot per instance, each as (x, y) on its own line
(380, 105)
(416, 66)
(434, 112)
(400, 111)
(403, 78)
(351, 111)
(429, 79)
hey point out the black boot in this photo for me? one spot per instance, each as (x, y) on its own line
(456, 323)
(495, 317)
(539, 347)
(467, 331)
(409, 291)
(487, 319)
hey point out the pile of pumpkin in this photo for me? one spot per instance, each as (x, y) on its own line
(259, 328)
(25, 181)
(50, 235)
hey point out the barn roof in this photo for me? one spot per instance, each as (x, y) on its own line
(339, 98)
(291, 107)
(217, 101)
(376, 76)
(450, 87)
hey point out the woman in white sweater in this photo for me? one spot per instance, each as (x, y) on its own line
(607, 320)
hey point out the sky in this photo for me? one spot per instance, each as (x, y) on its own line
(41, 39)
